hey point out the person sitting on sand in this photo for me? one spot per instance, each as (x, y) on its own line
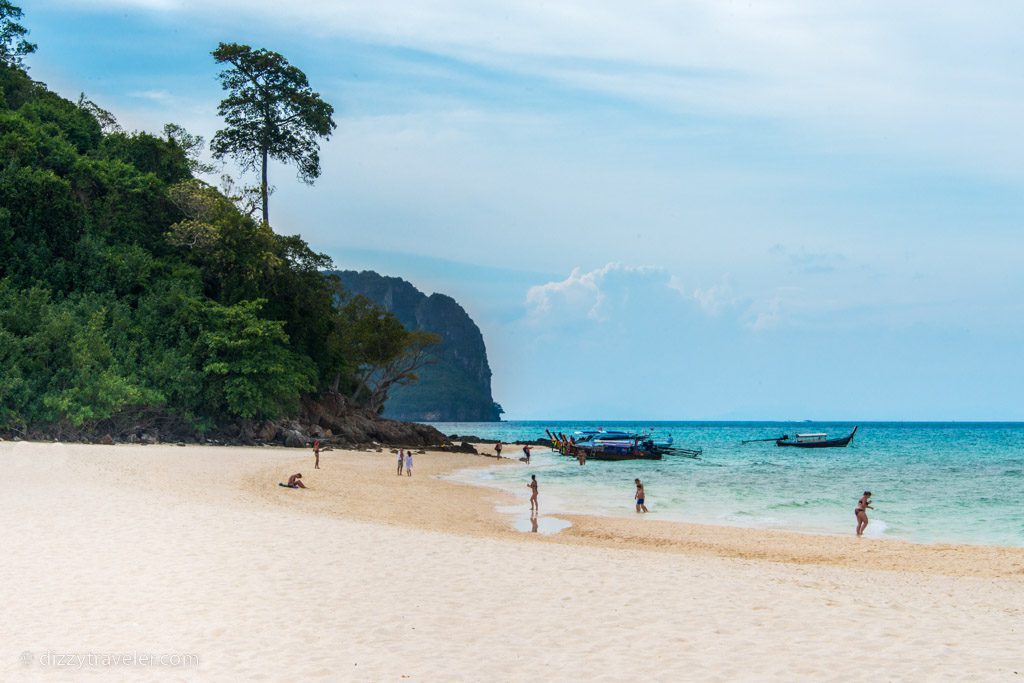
(294, 482)
(401, 459)
(861, 512)
(639, 497)
(316, 453)
(408, 463)
(533, 496)
(497, 449)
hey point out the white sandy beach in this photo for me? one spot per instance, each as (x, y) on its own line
(196, 551)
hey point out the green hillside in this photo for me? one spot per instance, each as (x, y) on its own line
(133, 294)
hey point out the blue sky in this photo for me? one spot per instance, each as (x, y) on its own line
(701, 210)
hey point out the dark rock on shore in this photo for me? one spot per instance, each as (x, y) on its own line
(476, 439)
(331, 418)
(471, 438)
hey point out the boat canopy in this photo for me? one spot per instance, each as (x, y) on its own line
(803, 438)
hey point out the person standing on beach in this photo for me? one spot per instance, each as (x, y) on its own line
(526, 449)
(861, 511)
(408, 463)
(401, 459)
(316, 453)
(533, 496)
(497, 449)
(639, 497)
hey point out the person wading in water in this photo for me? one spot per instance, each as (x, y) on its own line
(861, 511)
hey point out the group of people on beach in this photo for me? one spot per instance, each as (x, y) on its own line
(639, 497)
(404, 461)
(526, 452)
(640, 500)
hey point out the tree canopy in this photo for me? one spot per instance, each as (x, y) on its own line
(13, 45)
(271, 112)
(133, 293)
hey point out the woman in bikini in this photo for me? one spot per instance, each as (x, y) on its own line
(861, 512)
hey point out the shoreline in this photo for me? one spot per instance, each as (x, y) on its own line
(368, 576)
(440, 504)
(471, 509)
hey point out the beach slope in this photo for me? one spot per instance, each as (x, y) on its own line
(195, 551)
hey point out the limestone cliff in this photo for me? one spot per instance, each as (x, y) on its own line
(457, 388)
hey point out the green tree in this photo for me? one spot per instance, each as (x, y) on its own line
(191, 145)
(13, 45)
(379, 352)
(246, 359)
(271, 112)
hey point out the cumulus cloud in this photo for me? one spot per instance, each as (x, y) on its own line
(595, 294)
(629, 295)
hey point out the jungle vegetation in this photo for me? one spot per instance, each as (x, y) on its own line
(131, 290)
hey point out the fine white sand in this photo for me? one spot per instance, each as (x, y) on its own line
(164, 550)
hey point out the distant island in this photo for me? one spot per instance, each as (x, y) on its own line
(456, 386)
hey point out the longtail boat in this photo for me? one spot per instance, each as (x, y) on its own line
(817, 440)
(602, 445)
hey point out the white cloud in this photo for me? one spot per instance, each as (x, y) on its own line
(158, 96)
(936, 81)
(618, 293)
(588, 293)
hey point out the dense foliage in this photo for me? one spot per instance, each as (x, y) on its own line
(131, 292)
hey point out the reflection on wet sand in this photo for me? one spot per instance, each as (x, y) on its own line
(539, 524)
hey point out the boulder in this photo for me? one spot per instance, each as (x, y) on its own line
(267, 431)
(293, 438)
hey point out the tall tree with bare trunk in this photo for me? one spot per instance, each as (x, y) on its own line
(271, 112)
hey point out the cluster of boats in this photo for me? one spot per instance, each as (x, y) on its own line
(610, 444)
(601, 444)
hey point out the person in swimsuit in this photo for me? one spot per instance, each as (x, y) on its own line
(294, 482)
(497, 449)
(533, 496)
(639, 497)
(316, 453)
(408, 463)
(526, 449)
(401, 459)
(861, 512)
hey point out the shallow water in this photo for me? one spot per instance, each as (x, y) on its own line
(932, 482)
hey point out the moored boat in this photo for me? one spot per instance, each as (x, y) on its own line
(815, 440)
(614, 445)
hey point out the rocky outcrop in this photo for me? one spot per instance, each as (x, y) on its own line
(455, 388)
(331, 418)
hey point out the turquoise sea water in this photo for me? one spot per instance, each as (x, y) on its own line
(932, 482)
